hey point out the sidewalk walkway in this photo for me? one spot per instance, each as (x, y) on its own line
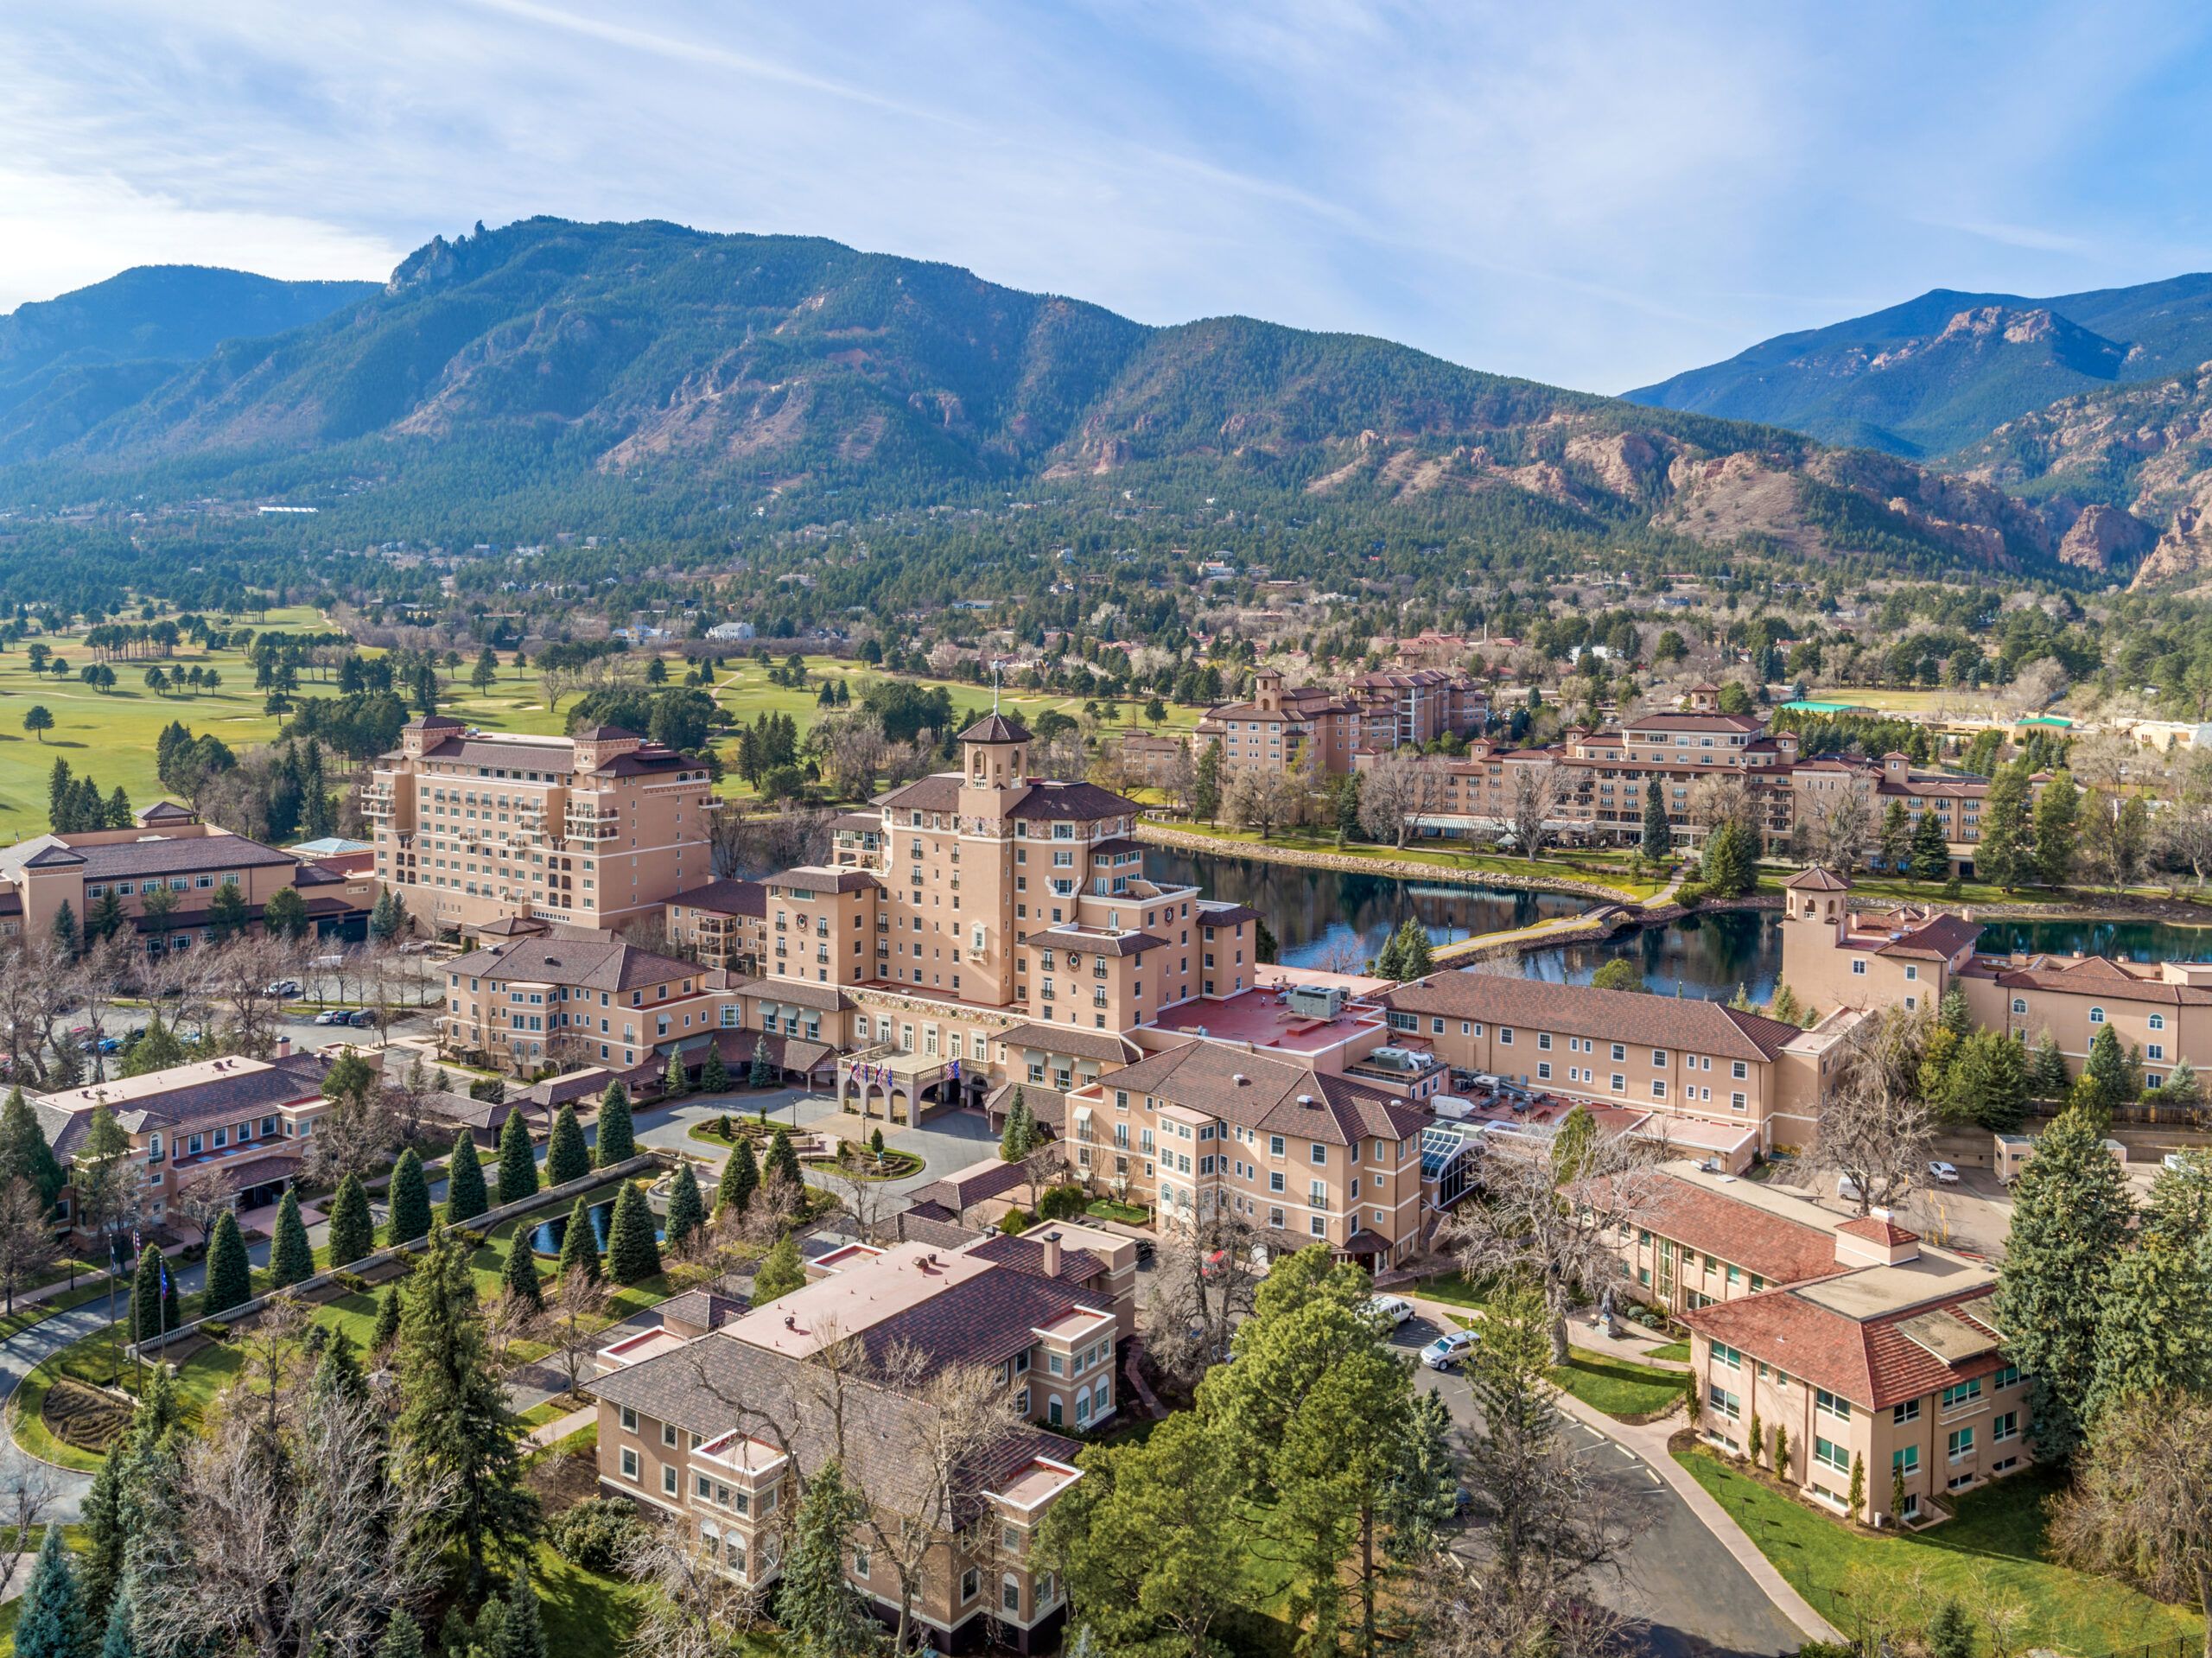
(560, 1427)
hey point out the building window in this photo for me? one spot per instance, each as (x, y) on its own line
(1829, 1404)
(2096, 1016)
(1959, 1443)
(1828, 1453)
(1907, 1411)
(2020, 1004)
(1859, 968)
(2158, 1021)
(1906, 1461)
(972, 1585)
(629, 1420)
(668, 1480)
(1010, 1594)
(629, 1463)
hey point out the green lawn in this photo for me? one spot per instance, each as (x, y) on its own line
(1618, 1387)
(1671, 1351)
(111, 737)
(1992, 1546)
(1128, 1214)
(1454, 1288)
(1591, 871)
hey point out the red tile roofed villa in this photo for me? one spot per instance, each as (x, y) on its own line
(1890, 1359)
(1711, 1238)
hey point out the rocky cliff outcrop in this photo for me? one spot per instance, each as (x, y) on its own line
(2184, 552)
(2104, 536)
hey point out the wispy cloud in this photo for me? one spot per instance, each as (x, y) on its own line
(1595, 195)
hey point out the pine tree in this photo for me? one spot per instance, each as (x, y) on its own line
(1988, 1082)
(2007, 855)
(2106, 1069)
(111, 1508)
(1949, 1635)
(523, 1635)
(1897, 1494)
(1424, 1491)
(633, 1256)
(760, 1073)
(517, 1161)
(1388, 960)
(153, 1298)
(291, 1258)
(714, 1075)
(741, 1178)
(779, 1272)
(674, 1084)
(617, 1144)
(454, 1427)
(229, 1275)
(403, 1637)
(1931, 853)
(520, 1274)
(686, 1212)
(64, 929)
(465, 1197)
(1854, 1500)
(24, 1150)
(579, 1247)
(1658, 844)
(1415, 959)
(2057, 829)
(1893, 840)
(2154, 1334)
(2071, 1219)
(1017, 1138)
(783, 1161)
(566, 1155)
(822, 1615)
(122, 1638)
(2047, 1078)
(352, 1230)
(387, 1313)
(411, 1200)
(49, 1623)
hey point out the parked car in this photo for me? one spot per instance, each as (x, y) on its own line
(1943, 1174)
(1846, 1188)
(110, 1044)
(331, 1016)
(1393, 1310)
(365, 1020)
(1144, 1252)
(282, 987)
(1448, 1349)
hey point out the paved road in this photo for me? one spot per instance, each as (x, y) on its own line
(1691, 1594)
(19, 1354)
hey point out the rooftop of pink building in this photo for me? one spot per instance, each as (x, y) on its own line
(1263, 1019)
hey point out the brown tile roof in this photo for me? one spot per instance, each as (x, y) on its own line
(939, 793)
(2094, 975)
(785, 1052)
(1940, 939)
(1871, 1362)
(1777, 1249)
(1271, 1098)
(1127, 944)
(1076, 1044)
(572, 962)
(1046, 1105)
(726, 898)
(956, 1191)
(1876, 1229)
(170, 855)
(690, 1385)
(1082, 802)
(994, 728)
(824, 998)
(927, 1223)
(702, 1309)
(1680, 1023)
(982, 1319)
(814, 878)
(1817, 879)
(1077, 1266)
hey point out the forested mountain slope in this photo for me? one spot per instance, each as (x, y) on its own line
(619, 375)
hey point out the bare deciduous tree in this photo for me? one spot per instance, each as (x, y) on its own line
(1392, 792)
(693, 1608)
(276, 1546)
(1264, 800)
(205, 1199)
(1535, 796)
(574, 1320)
(2035, 688)
(1841, 832)
(1203, 1285)
(1557, 1212)
(27, 1246)
(2140, 1509)
(1875, 1129)
(245, 977)
(28, 1491)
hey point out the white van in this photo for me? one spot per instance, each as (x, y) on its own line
(1392, 1309)
(1848, 1189)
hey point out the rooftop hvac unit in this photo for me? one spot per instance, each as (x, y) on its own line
(1316, 1000)
(1394, 1059)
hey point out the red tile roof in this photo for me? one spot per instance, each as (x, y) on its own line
(1777, 1249)
(1876, 1229)
(1673, 1022)
(1871, 1362)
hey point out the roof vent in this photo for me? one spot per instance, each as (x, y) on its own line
(1303, 1099)
(1239, 1078)
(790, 1321)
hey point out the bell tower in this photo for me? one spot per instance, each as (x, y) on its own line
(994, 753)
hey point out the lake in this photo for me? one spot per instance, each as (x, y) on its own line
(1327, 917)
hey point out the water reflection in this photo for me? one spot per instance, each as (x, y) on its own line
(547, 1238)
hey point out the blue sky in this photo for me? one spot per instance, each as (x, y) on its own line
(1587, 195)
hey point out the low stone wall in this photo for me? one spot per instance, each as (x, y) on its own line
(546, 1197)
(1398, 868)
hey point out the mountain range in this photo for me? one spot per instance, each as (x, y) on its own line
(561, 365)
(1940, 373)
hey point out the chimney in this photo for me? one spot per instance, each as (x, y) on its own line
(284, 1047)
(1052, 1254)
